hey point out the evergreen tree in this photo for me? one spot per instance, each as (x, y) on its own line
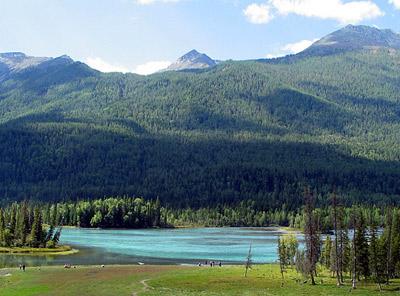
(36, 237)
(311, 235)
(326, 252)
(387, 238)
(376, 256)
(2, 228)
(336, 259)
(361, 245)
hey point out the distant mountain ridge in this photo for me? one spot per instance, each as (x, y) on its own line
(191, 61)
(16, 62)
(349, 38)
(353, 38)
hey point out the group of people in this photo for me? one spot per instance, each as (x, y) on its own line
(211, 263)
(22, 267)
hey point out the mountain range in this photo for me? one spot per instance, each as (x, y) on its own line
(221, 133)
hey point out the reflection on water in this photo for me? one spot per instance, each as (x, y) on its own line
(158, 246)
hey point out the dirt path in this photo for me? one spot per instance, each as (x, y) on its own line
(145, 287)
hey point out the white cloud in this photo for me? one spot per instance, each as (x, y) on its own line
(144, 69)
(338, 10)
(396, 3)
(343, 12)
(292, 48)
(258, 13)
(148, 2)
(151, 67)
(103, 66)
(297, 47)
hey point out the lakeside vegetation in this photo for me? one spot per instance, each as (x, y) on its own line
(130, 212)
(22, 231)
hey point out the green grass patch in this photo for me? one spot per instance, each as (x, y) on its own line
(173, 280)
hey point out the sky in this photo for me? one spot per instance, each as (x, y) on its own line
(144, 36)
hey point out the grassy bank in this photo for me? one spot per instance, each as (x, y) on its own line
(61, 250)
(171, 280)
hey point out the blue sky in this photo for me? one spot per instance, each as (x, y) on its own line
(145, 35)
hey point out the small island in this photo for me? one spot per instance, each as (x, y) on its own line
(59, 250)
(22, 232)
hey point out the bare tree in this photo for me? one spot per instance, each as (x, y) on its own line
(249, 261)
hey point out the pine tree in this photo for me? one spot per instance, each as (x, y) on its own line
(388, 242)
(361, 245)
(36, 239)
(376, 256)
(23, 223)
(326, 252)
(2, 228)
(336, 259)
(311, 235)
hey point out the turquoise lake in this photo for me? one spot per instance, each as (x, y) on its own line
(160, 246)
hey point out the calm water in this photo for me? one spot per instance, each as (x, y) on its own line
(163, 246)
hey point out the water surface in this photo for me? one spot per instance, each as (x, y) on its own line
(160, 246)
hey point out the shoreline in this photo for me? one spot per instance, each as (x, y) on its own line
(26, 251)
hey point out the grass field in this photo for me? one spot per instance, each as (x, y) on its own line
(170, 280)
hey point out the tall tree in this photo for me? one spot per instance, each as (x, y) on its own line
(360, 244)
(36, 238)
(377, 256)
(326, 252)
(336, 260)
(283, 256)
(388, 241)
(311, 235)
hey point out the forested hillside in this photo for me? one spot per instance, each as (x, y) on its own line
(255, 130)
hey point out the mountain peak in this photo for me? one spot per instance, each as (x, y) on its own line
(354, 38)
(17, 61)
(192, 60)
(191, 54)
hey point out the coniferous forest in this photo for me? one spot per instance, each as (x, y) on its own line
(22, 225)
(241, 131)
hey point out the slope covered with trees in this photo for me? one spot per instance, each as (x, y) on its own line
(255, 130)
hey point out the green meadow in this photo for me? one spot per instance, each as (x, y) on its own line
(173, 280)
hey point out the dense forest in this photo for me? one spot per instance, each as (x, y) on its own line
(22, 225)
(241, 131)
